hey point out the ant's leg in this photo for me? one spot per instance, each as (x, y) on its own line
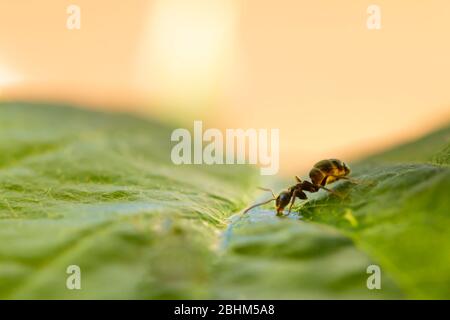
(331, 191)
(294, 195)
(267, 189)
(298, 179)
(348, 179)
(356, 181)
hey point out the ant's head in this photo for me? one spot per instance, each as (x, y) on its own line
(282, 200)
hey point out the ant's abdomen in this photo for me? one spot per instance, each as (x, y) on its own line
(327, 171)
(317, 176)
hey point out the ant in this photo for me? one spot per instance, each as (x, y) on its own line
(323, 172)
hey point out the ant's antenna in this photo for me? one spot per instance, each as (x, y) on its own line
(262, 203)
(258, 204)
(267, 189)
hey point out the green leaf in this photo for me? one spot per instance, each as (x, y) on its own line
(397, 216)
(402, 207)
(99, 191)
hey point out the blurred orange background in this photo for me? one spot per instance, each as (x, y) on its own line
(311, 68)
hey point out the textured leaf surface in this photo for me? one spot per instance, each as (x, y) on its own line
(99, 191)
(397, 216)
